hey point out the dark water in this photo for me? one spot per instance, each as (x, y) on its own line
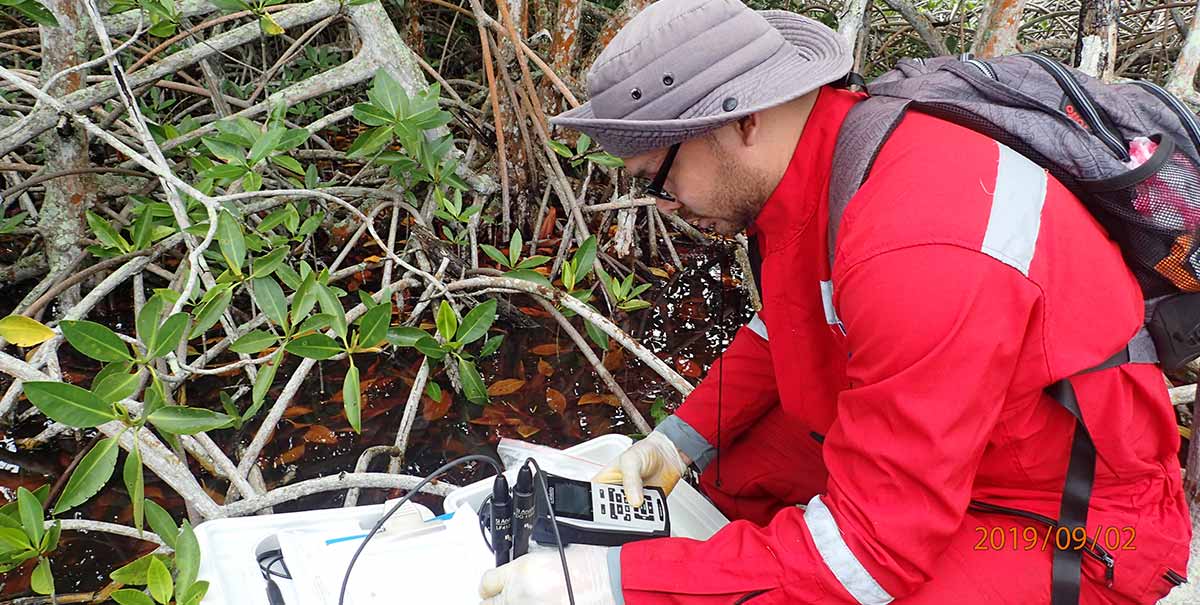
(694, 315)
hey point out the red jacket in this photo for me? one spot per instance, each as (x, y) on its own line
(966, 280)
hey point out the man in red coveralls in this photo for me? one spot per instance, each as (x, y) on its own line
(855, 429)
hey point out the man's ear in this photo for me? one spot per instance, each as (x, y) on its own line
(749, 129)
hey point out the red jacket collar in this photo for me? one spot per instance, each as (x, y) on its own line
(804, 188)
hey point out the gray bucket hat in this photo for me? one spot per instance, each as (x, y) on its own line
(682, 68)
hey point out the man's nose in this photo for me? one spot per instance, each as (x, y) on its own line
(667, 207)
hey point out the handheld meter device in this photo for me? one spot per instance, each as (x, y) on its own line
(597, 513)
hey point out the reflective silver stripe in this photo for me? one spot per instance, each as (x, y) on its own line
(1016, 215)
(831, 316)
(757, 326)
(837, 556)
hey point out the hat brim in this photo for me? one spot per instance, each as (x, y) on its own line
(815, 56)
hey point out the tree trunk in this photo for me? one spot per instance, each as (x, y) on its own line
(852, 19)
(563, 48)
(997, 33)
(1183, 74)
(922, 25)
(628, 11)
(67, 198)
(1096, 45)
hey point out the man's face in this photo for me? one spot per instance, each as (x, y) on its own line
(715, 185)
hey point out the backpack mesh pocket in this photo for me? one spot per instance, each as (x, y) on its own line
(1153, 213)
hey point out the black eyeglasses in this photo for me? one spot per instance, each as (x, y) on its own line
(655, 187)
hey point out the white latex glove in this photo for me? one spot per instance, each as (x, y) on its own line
(537, 578)
(651, 461)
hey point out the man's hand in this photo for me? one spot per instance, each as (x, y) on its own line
(537, 578)
(653, 460)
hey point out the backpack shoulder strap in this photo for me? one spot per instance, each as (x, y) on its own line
(862, 134)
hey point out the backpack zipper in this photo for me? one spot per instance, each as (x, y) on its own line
(1186, 117)
(985, 68)
(1173, 577)
(1083, 102)
(1092, 549)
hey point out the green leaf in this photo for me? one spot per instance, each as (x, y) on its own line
(352, 397)
(447, 321)
(475, 325)
(529, 275)
(158, 579)
(114, 382)
(93, 471)
(135, 484)
(496, 255)
(291, 139)
(254, 342)
(472, 382)
(289, 163)
(147, 320)
(605, 159)
(331, 305)
(69, 404)
(187, 558)
(135, 572)
(50, 540)
(369, 142)
(533, 261)
(169, 334)
(143, 229)
(161, 522)
(252, 181)
(13, 540)
(232, 241)
(262, 383)
(433, 390)
(32, 519)
(194, 595)
(23, 331)
(389, 95)
(491, 345)
(633, 305)
(37, 13)
(314, 346)
(373, 325)
(179, 420)
(95, 340)
(568, 275)
(106, 233)
(514, 247)
(268, 263)
(561, 149)
(225, 172)
(317, 322)
(265, 144)
(225, 150)
(305, 297)
(371, 115)
(128, 596)
(405, 336)
(42, 580)
(269, 297)
(598, 336)
(268, 25)
(310, 224)
(430, 347)
(585, 257)
(582, 143)
(210, 310)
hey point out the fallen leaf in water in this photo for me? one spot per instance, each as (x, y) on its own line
(547, 226)
(545, 369)
(296, 410)
(546, 349)
(534, 311)
(688, 368)
(659, 272)
(556, 400)
(614, 359)
(492, 416)
(526, 431)
(320, 434)
(591, 398)
(291, 455)
(507, 386)
(432, 410)
(372, 259)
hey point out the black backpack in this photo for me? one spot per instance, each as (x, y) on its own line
(1080, 130)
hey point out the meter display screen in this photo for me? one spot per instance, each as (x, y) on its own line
(572, 499)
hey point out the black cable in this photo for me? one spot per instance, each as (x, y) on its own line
(415, 490)
(562, 555)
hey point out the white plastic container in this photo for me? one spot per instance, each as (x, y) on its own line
(229, 547)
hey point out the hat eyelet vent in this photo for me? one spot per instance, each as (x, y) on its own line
(636, 94)
(729, 104)
(668, 79)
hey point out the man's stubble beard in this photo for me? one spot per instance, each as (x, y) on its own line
(741, 192)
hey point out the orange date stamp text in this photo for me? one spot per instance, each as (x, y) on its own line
(1062, 538)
